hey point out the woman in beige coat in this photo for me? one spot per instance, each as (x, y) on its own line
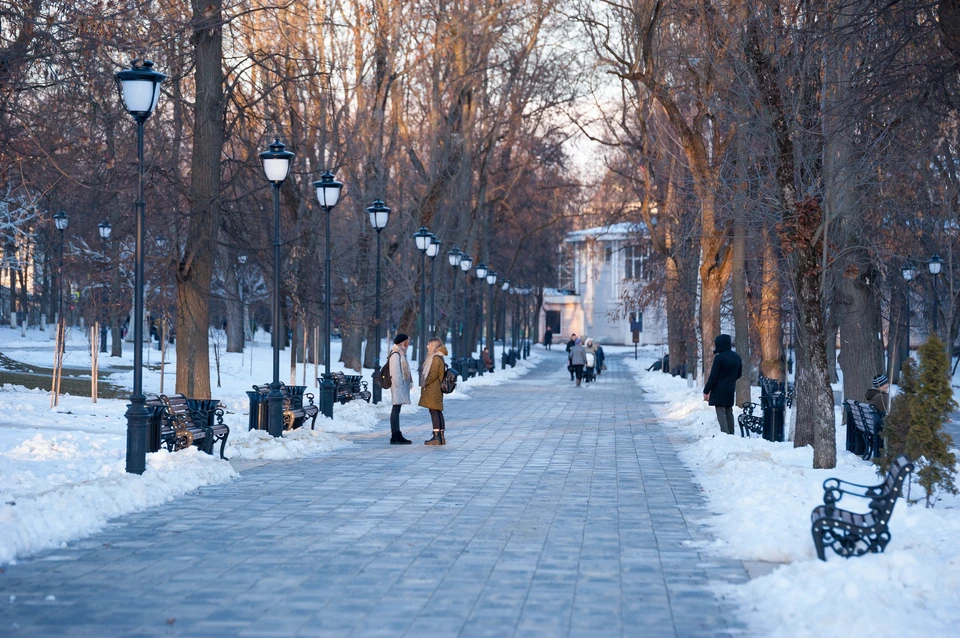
(431, 396)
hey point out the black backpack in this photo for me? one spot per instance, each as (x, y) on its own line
(448, 383)
(383, 375)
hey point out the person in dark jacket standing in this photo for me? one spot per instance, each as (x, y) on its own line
(722, 384)
(548, 338)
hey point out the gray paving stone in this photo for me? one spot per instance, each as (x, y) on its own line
(553, 510)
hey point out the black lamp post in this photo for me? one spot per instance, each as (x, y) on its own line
(503, 313)
(453, 257)
(481, 272)
(379, 216)
(909, 272)
(139, 87)
(432, 251)
(105, 228)
(328, 194)
(61, 220)
(935, 265)
(491, 342)
(276, 166)
(466, 263)
(423, 238)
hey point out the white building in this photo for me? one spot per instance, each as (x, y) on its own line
(598, 268)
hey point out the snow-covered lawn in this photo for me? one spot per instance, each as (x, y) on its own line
(62, 471)
(763, 494)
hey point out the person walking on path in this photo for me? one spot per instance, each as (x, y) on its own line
(590, 370)
(600, 358)
(578, 359)
(879, 395)
(431, 396)
(400, 382)
(573, 341)
(722, 382)
(548, 338)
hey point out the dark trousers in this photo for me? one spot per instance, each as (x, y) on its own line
(395, 421)
(577, 371)
(438, 422)
(725, 418)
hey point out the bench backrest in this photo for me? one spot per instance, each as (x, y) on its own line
(891, 489)
(177, 405)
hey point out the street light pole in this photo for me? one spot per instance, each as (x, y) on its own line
(61, 220)
(276, 166)
(503, 313)
(379, 216)
(139, 87)
(423, 239)
(104, 227)
(935, 265)
(466, 263)
(432, 251)
(491, 280)
(328, 194)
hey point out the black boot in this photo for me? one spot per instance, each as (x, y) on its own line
(396, 438)
(437, 438)
(443, 437)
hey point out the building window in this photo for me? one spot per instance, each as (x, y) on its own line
(632, 262)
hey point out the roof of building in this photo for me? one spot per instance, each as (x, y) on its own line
(612, 232)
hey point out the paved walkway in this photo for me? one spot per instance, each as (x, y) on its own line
(552, 511)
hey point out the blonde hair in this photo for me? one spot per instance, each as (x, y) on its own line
(434, 342)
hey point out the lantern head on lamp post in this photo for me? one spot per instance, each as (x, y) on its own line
(453, 256)
(908, 271)
(105, 228)
(466, 262)
(139, 88)
(276, 167)
(379, 216)
(481, 270)
(328, 195)
(61, 220)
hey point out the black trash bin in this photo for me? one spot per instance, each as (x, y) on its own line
(257, 416)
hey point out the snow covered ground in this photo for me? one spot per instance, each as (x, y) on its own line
(62, 471)
(763, 493)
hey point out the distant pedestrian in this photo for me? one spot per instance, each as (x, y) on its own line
(487, 360)
(578, 359)
(879, 395)
(600, 358)
(431, 396)
(400, 382)
(570, 344)
(548, 338)
(590, 370)
(722, 384)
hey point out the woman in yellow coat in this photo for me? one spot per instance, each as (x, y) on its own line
(431, 397)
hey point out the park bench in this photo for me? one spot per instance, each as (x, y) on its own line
(850, 533)
(748, 421)
(176, 425)
(348, 387)
(864, 429)
(295, 413)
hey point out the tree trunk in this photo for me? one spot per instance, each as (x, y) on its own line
(858, 337)
(352, 343)
(771, 316)
(804, 394)
(738, 282)
(677, 319)
(369, 353)
(233, 300)
(195, 271)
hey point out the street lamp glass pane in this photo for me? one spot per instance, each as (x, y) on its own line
(61, 220)
(482, 271)
(433, 249)
(276, 169)
(466, 263)
(907, 273)
(329, 194)
(454, 257)
(491, 278)
(935, 265)
(105, 229)
(505, 286)
(140, 96)
(422, 238)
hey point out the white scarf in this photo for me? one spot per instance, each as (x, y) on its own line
(404, 364)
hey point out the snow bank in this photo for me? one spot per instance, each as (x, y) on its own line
(40, 512)
(762, 494)
(295, 444)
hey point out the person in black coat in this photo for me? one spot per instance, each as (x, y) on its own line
(721, 386)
